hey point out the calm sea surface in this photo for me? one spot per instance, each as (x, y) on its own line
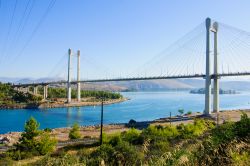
(142, 106)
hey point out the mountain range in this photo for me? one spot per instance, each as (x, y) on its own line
(148, 85)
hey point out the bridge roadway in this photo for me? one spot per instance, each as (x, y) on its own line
(137, 79)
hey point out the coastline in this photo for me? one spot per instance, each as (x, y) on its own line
(93, 131)
(61, 104)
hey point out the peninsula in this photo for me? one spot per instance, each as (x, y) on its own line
(11, 98)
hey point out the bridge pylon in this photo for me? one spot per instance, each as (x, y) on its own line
(69, 77)
(208, 76)
(216, 81)
(78, 77)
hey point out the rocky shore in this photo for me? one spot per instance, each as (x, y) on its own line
(60, 104)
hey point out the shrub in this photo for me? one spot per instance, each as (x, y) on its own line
(131, 123)
(196, 129)
(158, 148)
(47, 130)
(242, 127)
(46, 144)
(132, 136)
(104, 152)
(74, 133)
(156, 133)
(223, 133)
(66, 159)
(115, 140)
(127, 154)
(6, 161)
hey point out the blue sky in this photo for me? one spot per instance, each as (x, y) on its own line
(117, 34)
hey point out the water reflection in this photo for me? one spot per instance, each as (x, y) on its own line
(68, 116)
(79, 113)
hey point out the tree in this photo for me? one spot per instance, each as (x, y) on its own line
(33, 141)
(27, 145)
(181, 111)
(31, 128)
(45, 143)
(74, 133)
(27, 140)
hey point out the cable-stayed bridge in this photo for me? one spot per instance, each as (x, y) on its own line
(189, 57)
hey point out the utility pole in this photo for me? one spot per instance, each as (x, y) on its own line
(208, 76)
(78, 77)
(101, 123)
(216, 81)
(69, 78)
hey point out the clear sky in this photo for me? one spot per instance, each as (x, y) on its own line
(118, 34)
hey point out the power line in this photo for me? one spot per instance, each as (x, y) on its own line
(50, 6)
(8, 33)
(22, 21)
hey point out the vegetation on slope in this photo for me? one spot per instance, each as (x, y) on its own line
(62, 92)
(10, 96)
(200, 143)
(33, 142)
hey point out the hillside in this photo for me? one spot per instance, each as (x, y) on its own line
(149, 85)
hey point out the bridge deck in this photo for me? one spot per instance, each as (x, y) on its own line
(136, 79)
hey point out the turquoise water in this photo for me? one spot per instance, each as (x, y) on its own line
(142, 106)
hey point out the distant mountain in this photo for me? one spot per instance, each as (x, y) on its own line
(194, 83)
(153, 85)
(8, 79)
(148, 85)
(236, 85)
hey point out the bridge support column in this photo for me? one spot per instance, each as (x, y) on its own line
(216, 81)
(208, 76)
(69, 78)
(27, 89)
(45, 92)
(78, 77)
(35, 90)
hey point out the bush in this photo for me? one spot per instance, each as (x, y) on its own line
(46, 144)
(196, 129)
(223, 133)
(158, 148)
(66, 159)
(242, 127)
(47, 130)
(131, 123)
(132, 136)
(115, 140)
(75, 132)
(6, 161)
(104, 152)
(156, 133)
(127, 154)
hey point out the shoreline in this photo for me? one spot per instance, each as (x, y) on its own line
(93, 131)
(61, 104)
